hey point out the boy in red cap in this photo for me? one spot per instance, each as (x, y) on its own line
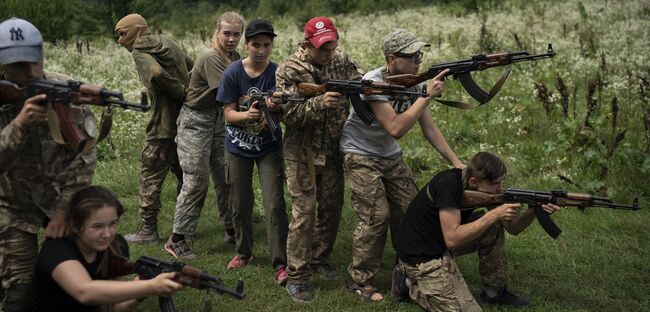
(311, 149)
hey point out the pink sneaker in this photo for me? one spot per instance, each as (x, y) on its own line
(281, 276)
(238, 262)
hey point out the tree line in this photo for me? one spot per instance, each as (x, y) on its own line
(61, 20)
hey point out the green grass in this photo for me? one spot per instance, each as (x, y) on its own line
(599, 263)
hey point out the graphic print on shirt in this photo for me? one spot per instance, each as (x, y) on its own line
(247, 136)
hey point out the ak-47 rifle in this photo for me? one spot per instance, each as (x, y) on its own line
(535, 199)
(261, 96)
(66, 126)
(353, 89)
(149, 267)
(461, 70)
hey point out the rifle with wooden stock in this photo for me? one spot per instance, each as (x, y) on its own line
(149, 267)
(66, 126)
(535, 199)
(261, 96)
(461, 70)
(353, 89)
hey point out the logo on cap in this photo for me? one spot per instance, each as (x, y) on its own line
(320, 25)
(16, 34)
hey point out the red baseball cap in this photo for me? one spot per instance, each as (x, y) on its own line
(319, 30)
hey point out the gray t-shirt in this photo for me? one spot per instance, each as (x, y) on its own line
(373, 140)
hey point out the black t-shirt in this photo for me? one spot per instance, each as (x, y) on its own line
(47, 294)
(420, 237)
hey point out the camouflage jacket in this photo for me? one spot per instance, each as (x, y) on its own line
(164, 70)
(310, 119)
(37, 175)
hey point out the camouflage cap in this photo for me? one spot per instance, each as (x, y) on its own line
(402, 41)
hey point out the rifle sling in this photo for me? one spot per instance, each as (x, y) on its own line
(54, 124)
(105, 125)
(311, 167)
(475, 90)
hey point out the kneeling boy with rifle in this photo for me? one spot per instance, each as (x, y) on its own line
(435, 227)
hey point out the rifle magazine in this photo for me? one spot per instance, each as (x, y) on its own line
(546, 222)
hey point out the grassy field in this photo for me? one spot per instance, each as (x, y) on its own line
(584, 115)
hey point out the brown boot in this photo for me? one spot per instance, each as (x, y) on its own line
(147, 233)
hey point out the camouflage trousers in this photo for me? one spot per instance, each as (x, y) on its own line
(158, 158)
(492, 257)
(382, 189)
(200, 140)
(316, 212)
(18, 251)
(239, 174)
(438, 285)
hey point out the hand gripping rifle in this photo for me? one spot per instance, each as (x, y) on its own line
(535, 199)
(149, 267)
(461, 70)
(67, 126)
(353, 89)
(261, 96)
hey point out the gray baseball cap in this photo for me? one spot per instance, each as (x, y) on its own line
(402, 41)
(20, 41)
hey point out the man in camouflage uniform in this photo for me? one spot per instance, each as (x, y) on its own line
(381, 182)
(200, 138)
(311, 147)
(163, 69)
(435, 228)
(37, 176)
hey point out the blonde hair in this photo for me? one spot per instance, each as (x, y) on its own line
(230, 18)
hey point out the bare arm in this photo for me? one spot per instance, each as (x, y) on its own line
(399, 125)
(457, 234)
(433, 134)
(232, 116)
(523, 220)
(74, 279)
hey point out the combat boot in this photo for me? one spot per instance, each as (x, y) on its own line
(147, 233)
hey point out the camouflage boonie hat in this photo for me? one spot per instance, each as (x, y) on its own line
(402, 41)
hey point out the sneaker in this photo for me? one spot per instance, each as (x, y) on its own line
(180, 249)
(238, 262)
(299, 292)
(327, 271)
(505, 297)
(229, 239)
(281, 276)
(399, 289)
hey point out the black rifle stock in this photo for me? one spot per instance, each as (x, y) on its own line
(535, 199)
(353, 88)
(461, 70)
(260, 97)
